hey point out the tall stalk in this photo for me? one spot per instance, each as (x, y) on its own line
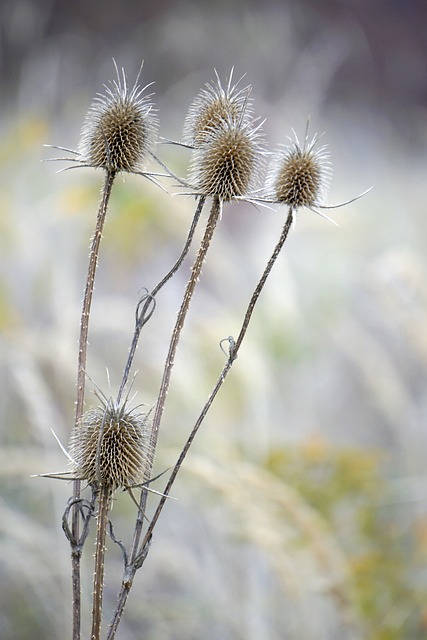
(104, 501)
(135, 553)
(234, 346)
(77, 541)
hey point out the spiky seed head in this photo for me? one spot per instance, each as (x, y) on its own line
(228, 162)
(120, 128)
(214, 105)
(111, 446)
(299, 175)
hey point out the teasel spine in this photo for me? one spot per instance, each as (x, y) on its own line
(299, 174)
(213, 105)
(120, 128)
(229, 161)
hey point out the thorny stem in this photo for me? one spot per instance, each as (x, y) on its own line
(141, 315)
(234, 348)
(137, 556)
(81, 374)
(104, 500)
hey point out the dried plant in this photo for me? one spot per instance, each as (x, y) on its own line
(112, 446)
(213, 106)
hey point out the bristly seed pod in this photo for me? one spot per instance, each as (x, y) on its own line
(214, 105)
(120, 128)
(299, 175)
(229, 161)
(111, 446)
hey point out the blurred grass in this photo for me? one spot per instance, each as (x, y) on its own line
(301, 509)
(304, 533)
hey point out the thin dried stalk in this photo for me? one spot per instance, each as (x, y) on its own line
(143, 314)
(234, 349)
(137, 556)
(104, 501)
(76, 544)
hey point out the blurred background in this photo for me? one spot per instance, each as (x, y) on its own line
(301, 510)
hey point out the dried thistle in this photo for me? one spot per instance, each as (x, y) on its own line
(120, 128)
(214, 105)
(111, 446)
(299, 175)
(229, 161)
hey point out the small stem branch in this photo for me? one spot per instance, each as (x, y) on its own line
(104, 500)
(234, 348)
(81, 373)
(141, 316)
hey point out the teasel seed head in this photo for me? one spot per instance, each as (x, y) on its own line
(111, 446)
(120, 128)
(214, 105)
(229, 161)
(299, 175)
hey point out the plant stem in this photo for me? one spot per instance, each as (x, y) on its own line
(142, 317)
(137, 556)
(104, 499)
(234, 348)
(81, 375)
(176, 334)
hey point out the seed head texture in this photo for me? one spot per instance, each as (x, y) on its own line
(214, 105)
(120, 129)
(298, 176)
(111, 446)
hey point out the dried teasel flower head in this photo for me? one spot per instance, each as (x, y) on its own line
(111, 446)
(120, 128)
(214, 105)
(229, 161)
(299, 174)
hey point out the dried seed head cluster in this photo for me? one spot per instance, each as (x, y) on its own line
(120, 129)
(227, 144)
(228, 161)
(213, 106)
(111, 446)
(299, 175)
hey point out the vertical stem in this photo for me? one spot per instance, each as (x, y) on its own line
(81, 373)
(132, 566)
(234, 348)
(176, 334)
(98, 578)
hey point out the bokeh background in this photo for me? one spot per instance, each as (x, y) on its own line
(301, 510)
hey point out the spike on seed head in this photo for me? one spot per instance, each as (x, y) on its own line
(299, 175)
(213, 106)
(120, 128)
(111, 446)
(228, 162)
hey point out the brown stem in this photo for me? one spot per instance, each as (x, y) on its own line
(104, 500)
(81, 374)
(135, 553)
(234, 348)
(142, 316)
(176, 334)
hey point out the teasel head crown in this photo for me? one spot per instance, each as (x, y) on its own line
(229, 161)
(111, 446)
(120, 128)
(214, 105)
(299, 174)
